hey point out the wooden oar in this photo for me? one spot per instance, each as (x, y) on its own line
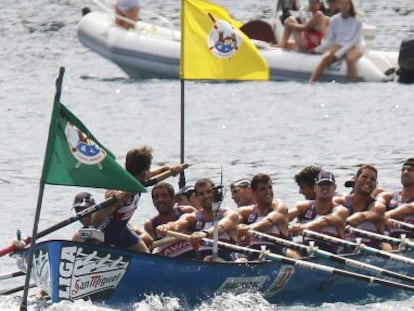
(87, 211)
(164, 241)
(401, 224)
(328, 255)
(364, 248)
(301, 263)
(14, 289)
(161, 176)
(11, 275)
(380, 237)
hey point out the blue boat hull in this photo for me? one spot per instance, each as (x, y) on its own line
(70, 271)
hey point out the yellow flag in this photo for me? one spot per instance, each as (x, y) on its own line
(213, 47)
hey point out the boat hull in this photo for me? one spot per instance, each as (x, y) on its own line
(154, 52)
(68, 271)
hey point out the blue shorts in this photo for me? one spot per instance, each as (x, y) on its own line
(120, 236)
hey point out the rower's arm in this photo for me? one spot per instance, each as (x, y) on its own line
(383, 198)
(99, 217)
(374, 214)
(225, 225)
(336, 219)
(175, 169)
(149, 228)
(298, 209)
(180, 225)
(377, 219)
(274, 218)
(401, 212)
(243, 213)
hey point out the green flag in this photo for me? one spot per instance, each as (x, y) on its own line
(75, 158)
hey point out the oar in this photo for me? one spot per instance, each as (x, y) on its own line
(164, 241)
(361, 246)
(157, 178)
(301, 263)
(401, 224)
(87, 211)
(14, 289)
(11, 275)
(394, 241)
(325, 254)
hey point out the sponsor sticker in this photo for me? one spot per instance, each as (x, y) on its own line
(84, 272)
(241, 284)
(280, 281)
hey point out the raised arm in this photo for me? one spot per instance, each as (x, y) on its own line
(98, 217)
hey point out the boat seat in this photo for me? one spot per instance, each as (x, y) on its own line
(259, 30)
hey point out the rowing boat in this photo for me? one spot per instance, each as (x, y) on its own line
(153, 51)
(69, 270)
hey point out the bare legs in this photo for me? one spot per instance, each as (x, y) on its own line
(132, 14)
(327, 58)
(351, 59)
(299, 42)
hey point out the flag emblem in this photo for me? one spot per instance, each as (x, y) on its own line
(223, 40)
(84, 149)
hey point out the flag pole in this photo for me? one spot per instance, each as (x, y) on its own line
(50, 142)
(181, 181)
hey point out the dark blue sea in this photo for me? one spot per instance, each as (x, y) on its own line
(239, 128)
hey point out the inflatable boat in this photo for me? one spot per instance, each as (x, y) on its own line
(153, 51)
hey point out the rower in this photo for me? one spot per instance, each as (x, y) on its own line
(186, 196)
(82, 201)
(305, 179)
(400, 204)
(267, 215)
(364, 211)
(406, 195)
(164, 201)
(114, 220)
(201, 223)
(241, 192)
(322, 214)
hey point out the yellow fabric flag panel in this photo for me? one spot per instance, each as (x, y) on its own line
(213, 48)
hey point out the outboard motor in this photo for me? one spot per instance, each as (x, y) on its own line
(85, 11)
(406, 61)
